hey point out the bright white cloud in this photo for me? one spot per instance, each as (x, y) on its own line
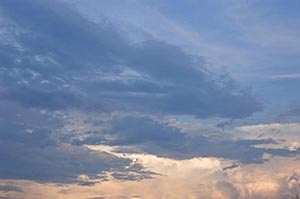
(202, 178)
(166, 166)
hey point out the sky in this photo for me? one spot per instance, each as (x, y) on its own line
(110, 99)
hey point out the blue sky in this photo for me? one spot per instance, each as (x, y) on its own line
(108, 99)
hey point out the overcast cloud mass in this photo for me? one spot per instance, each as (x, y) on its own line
(149, 99)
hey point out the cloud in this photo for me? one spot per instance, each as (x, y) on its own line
(135, 133)
(9, 188)
(285, 134)
(240, 43)
(74, 55)
(47, 146)
(192, 178)
(290, 116)
(69, 85)
(56, 62)
(61, 164)
(227, 190)
(31, 149)
(166, 166)
(97, 198)
(234, 165)
(285, 76)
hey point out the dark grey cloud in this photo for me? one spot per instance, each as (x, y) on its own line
(9, 188)
(175, 144)
(292, 115)
(150, 135)
(234, 165)
(54, 164)
(30, 149)
(54, 61)
(62, 164)
(68, 61)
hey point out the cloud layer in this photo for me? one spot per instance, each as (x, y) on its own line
(88, 112)
(71, 61)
